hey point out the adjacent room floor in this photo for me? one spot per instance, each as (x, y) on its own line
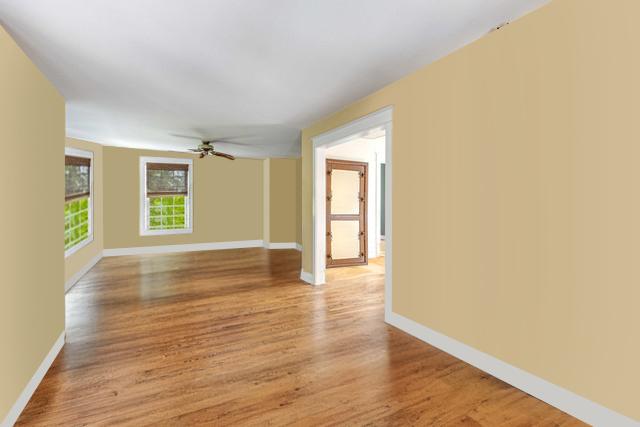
(234, 337)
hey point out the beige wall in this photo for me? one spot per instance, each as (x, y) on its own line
(31, 220)
(76, 261)
(283, 198)
(299, 201)
(516, 196)
(227, 200)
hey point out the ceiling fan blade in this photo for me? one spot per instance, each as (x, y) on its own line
(195, 150)
(202, 155)
(179, 135)
(223, 141)
(229, 137)
(226, 156)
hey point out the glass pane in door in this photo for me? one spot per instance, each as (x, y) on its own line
(345, 239)
(345, 192)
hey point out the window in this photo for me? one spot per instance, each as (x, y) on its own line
(166, 201)
(78, 204)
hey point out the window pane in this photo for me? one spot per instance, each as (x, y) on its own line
(345, 192)
(76, 180)
(345, 239)
(76, 222)
(167, 181)
(167, 213)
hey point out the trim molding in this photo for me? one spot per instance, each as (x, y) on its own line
(565, 400)
(307, 277)
(78, 275)
(299, 246)
(192, 247)
(284, 245)
(23, 399)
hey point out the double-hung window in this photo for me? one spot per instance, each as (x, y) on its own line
(78, 203)
(166, 196)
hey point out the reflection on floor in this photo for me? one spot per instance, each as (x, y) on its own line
(374, 268)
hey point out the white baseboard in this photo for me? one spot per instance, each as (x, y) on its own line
(23, 399)
(184, 248)
(74, 279)
(565, 400)
(307, 277)
(299, 246)
(285, 245)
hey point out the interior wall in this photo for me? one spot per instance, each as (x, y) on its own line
(266, 200)
(31, 220)
(282, 205)
(299, 201)
(227, 203)
(81, 258)
(515, 196)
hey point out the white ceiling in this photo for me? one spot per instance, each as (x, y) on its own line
(138, 72)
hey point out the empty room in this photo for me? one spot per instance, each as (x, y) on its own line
(297, 212)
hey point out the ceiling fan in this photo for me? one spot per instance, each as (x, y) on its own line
(205, 148)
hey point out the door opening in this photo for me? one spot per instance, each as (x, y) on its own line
(375, 126)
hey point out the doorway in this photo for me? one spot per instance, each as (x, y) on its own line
(378, 123)
(346, 213)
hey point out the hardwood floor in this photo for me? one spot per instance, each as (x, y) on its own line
(234, 338)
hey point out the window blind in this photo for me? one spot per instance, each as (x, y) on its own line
(164, 179)
(76, 174)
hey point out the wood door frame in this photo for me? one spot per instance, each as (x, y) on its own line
(361, 217)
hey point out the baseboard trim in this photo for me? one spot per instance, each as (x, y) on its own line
(193, 247)
(284, 245)
(76, 277)
(565, 400)
(307, 277)
(299, 246)
(32, 385)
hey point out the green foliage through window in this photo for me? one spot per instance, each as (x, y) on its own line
(76, 222)
(167, 213)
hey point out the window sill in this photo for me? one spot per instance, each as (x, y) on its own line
(72, 250)
(165, 232)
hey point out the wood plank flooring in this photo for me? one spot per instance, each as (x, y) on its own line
(234, 338)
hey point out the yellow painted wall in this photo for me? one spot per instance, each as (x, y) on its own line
(299, 201)
(516, 196)
(76, 261)
(283, 197)
(227, 200)
(31, 220)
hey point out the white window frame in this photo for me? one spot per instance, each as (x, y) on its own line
(144, 231)
(69, 151)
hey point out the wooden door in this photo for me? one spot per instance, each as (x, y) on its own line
(346, 213)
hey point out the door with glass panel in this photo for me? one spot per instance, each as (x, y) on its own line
(346, 213)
